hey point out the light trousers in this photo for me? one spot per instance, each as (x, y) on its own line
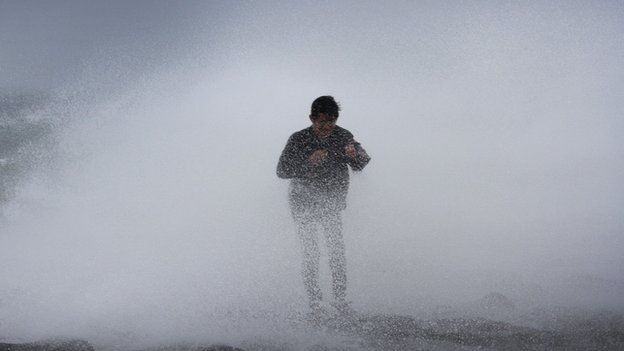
(309, 219)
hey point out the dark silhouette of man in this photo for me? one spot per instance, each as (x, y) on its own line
(316, 160)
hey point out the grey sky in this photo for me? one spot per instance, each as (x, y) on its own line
(50, 43)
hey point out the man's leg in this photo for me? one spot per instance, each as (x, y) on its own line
(332, 226)
(306, 229)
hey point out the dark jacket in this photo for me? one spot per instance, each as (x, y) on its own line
(325, 184)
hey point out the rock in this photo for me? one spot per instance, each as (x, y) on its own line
(53, 345)
(496, 302)
(196, 348)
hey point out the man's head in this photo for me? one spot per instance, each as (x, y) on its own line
(323, 114)
(326, 105)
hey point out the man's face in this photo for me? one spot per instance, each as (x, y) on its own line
(323, 124)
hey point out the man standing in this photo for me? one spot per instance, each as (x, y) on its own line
(316, 159)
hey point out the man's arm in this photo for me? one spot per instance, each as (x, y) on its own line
(357, 157)
(292, 161)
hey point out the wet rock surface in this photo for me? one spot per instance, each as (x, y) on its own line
(53, 345)
(466, 332)
(197, 348)
(598, 331)
(81, 345)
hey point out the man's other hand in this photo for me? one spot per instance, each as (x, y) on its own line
(318, 157)
(350, 151)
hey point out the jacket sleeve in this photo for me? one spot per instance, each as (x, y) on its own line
(292, 163)
(361, 160)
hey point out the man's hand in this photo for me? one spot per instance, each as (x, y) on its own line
(350, 151)
(318, 157)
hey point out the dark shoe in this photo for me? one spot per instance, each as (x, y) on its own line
(317, 314)
(345, 318)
